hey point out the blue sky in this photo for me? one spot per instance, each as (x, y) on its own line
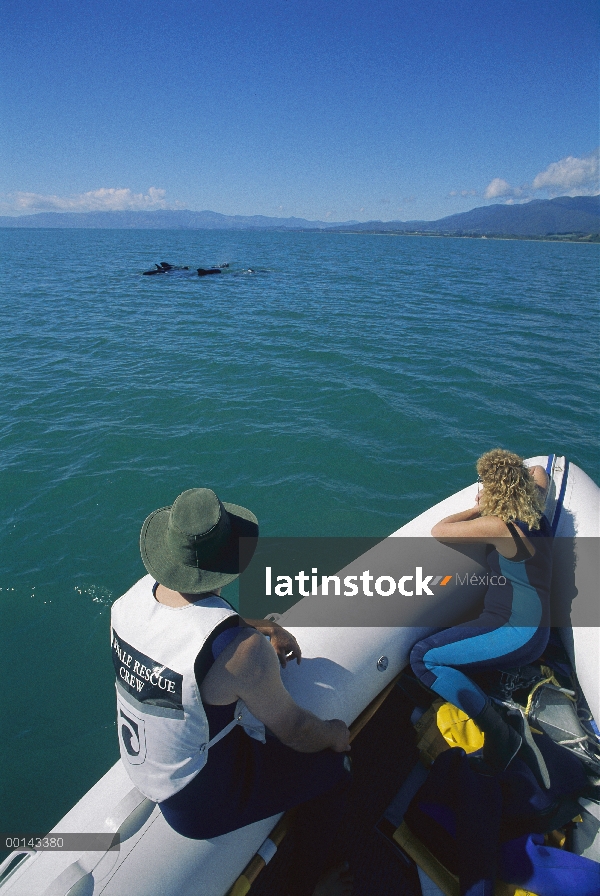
(323, 109)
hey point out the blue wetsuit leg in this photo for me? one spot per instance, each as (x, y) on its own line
(442, 660)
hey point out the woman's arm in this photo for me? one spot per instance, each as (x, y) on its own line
(540, 477)
(468, 525)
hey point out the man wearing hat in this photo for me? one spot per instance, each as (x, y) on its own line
(197, 687)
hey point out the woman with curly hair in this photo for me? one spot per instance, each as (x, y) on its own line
(513, 629)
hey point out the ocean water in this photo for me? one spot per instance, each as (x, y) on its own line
(343, 387)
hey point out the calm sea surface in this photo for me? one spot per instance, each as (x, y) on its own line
(342, 388)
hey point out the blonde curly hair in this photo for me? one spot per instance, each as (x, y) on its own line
(509, 490)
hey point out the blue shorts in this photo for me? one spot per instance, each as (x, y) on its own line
(245, 780)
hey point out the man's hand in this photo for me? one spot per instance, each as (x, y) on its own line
(283, 643)
(340, 736)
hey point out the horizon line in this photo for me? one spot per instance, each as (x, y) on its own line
(316, 221)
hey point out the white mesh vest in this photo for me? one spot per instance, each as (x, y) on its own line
(162, 726)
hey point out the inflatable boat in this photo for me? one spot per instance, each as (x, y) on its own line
(344, 670)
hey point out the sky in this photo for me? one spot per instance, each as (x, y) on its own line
(330, 110)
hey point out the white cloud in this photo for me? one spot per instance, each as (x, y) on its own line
(570, 176)
(107, 199)
(499, 188)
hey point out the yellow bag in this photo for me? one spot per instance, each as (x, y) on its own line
(430, 742)
(458, 729)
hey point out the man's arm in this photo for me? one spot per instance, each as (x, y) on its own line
(250, 671)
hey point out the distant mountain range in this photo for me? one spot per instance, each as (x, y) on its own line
(541, 217)
(164, 219)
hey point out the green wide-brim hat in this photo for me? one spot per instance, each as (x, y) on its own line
(194, 545)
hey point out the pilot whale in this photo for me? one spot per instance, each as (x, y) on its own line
(163, 268)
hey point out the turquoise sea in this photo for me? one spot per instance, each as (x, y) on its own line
(346, 385)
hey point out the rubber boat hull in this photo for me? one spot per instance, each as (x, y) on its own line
(339, 676)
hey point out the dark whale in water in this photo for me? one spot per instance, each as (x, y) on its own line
(163, 268)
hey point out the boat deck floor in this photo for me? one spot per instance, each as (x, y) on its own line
(382, 756)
